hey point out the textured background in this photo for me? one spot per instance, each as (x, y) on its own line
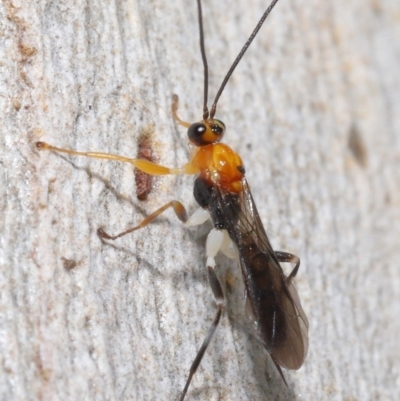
(314, 110)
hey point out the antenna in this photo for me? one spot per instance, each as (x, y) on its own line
(204, 57)
(238, 58)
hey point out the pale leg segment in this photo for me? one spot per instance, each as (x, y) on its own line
(199, 217)
(214, 243)
(228, 247)
(219, 240)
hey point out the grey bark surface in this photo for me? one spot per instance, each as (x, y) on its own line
(314, 111)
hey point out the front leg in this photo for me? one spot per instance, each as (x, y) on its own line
(142, 165)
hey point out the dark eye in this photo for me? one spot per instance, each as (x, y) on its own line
(218, 127)
(196, 132)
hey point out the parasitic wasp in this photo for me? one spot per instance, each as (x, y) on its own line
(222, 192)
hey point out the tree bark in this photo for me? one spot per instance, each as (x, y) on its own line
(313, 109)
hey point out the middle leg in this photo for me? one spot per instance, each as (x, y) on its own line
(199, 217)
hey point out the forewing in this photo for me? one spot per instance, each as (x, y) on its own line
(292, 355)
(275, 305)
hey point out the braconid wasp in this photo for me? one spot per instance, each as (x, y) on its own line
(222, 192)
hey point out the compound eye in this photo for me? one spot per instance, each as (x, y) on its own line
(218, 128)
(196, 133)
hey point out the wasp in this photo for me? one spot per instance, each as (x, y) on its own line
(222, 192)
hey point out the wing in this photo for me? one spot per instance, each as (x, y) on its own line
(274, 303)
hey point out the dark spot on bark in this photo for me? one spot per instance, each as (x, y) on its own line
(357, 146)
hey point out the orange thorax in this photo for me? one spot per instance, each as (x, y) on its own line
(218, 164)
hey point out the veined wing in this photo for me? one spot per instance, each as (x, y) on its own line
(273, 300)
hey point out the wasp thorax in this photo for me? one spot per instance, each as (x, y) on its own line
(206, 132)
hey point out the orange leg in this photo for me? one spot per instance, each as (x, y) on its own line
(179, 210)
(174, 107)
(142, 165)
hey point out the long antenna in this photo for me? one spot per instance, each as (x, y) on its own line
(239, 57)
(204, 57)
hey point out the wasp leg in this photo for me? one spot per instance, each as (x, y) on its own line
(179, 210)
(215, 240)
(214, 243)
(197, 218)
(174, 108)
(286, 257)
(142, 165)
(228, 247)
